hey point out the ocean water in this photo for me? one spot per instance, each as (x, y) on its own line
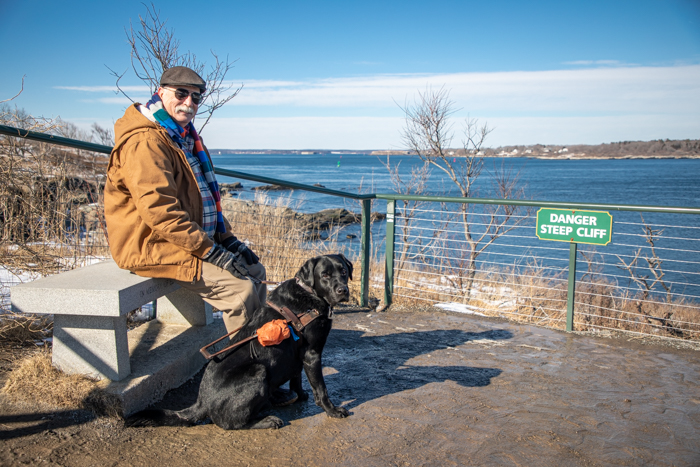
(655, 182)
(659, 182)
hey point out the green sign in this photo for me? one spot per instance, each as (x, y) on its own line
(566, 225)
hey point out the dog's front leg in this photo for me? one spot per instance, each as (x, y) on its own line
(314, 373)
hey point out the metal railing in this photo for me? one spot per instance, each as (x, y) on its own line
(646, 281)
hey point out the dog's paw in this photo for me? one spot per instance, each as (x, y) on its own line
(338, 412)
(268, 422)
(302, 396)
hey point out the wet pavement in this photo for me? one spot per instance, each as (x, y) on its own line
(428, 387)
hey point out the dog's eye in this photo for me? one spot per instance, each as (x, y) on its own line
(343, 272)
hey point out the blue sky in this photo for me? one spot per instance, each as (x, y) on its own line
(329, 74)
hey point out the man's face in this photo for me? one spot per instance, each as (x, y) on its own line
(182, 111)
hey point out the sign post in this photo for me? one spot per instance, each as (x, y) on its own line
(574, 227)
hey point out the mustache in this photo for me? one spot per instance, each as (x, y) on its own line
(185, 108)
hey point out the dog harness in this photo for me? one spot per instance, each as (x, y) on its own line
(298, 322)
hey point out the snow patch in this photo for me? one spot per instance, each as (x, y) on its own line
(459, 308)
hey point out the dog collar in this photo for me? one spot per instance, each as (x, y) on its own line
(305, 287)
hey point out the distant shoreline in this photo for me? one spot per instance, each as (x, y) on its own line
(559, 157)
(656, 149)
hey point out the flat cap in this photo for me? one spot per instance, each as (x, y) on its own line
(182, 76)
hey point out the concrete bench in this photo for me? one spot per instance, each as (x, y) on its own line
(90, 307)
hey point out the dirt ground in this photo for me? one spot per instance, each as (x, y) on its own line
(424, 387)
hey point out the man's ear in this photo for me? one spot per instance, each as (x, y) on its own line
(347, 263)
(306, 273)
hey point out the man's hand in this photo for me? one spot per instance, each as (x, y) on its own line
(221, 257)
(236, 246)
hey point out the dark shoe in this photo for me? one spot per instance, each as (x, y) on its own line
(281, 397)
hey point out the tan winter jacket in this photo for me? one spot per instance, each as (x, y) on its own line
(153, 206)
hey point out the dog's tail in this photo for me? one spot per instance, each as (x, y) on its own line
(163, 417)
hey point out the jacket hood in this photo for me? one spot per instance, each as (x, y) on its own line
(132, 122)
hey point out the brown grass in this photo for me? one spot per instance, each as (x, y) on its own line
(533, 297)
(35, 381)
(277, 234)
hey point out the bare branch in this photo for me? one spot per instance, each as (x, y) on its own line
(16, 95)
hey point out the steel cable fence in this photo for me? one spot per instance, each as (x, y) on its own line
(645, 282)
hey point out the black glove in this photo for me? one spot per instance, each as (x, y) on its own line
(236, 246)
(221, 257)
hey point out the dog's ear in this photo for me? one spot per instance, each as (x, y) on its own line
(347, 263)
(306, 273)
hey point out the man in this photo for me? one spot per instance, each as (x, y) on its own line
(162, 203)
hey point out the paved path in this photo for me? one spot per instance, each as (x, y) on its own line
(436, 389)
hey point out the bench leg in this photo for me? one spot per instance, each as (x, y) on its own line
(93, 345)
(185, 308)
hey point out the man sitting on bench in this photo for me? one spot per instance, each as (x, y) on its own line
(162, 204)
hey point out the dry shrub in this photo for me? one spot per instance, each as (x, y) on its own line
(533, 295)
(50, 199)
(34, 380)
(277, 234)
(23, 330)
(599, 306)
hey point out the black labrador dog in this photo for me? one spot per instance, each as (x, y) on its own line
(236, 385)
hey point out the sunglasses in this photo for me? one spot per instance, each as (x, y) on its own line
(181, 94)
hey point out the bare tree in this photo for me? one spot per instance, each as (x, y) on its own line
(154, 49)
(102, 135)
(428, 132)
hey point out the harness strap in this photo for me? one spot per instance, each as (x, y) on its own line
(209, 356)
(299, 322)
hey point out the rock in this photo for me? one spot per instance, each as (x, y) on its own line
(230, 189)
(314, 236)
(270, 188)
(323, 220)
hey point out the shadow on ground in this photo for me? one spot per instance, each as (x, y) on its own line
(361, 367)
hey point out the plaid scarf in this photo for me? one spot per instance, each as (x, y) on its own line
(180, 135)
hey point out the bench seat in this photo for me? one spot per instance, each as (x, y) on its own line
(90, 307)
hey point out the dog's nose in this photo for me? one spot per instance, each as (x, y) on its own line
(342, 290)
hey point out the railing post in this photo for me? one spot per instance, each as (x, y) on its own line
(572, 288)
(365, 253)
(389, 252)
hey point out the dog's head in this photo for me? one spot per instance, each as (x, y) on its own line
(328, 276)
